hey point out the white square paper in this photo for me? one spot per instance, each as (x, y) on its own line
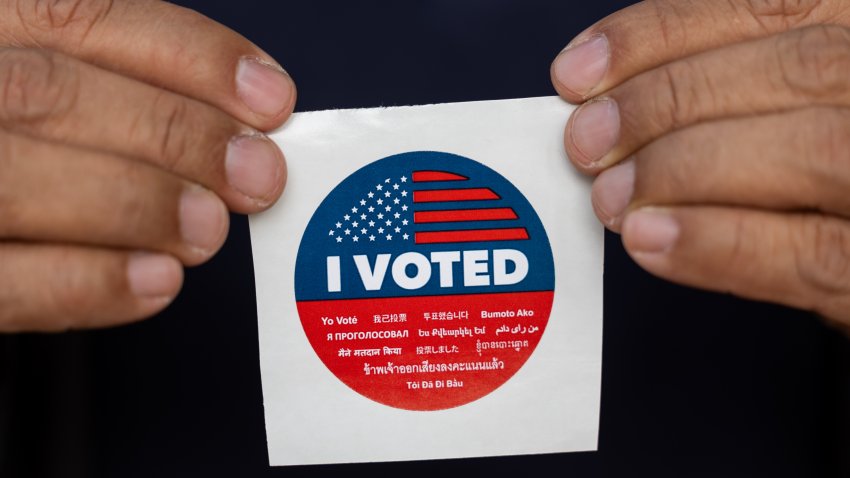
(388, 393)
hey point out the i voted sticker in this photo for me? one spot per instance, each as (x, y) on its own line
(424, 281)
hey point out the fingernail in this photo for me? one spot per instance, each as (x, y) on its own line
(154, 276)
(650, 231)
(581, 67)
(595, 129)
(612, 192)
(254, 166)
(266, 89)
(203, 219)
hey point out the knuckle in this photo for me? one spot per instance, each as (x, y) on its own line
(68, 291)
(134, 211)
(148, 217)
(814, 61)
(182, 55)
(822, 256)
(165, 128)
(826, 140)
(35, 85)
(671, 25)
(660, 179)
(681, 103)
(775, 15)
(72, 20)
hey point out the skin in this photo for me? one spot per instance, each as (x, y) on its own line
(717, 130)
(718, 133)
(127, 131)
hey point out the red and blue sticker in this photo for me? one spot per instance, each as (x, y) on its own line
(424, 281)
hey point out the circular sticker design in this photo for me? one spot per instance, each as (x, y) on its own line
(424, 280)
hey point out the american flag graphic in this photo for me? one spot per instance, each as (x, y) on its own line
(392, 209)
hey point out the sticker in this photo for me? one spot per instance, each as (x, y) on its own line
(424, 280)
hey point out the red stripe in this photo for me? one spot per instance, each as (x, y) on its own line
(474, 235)
(445, 195)
(459, 215)
(428, 176)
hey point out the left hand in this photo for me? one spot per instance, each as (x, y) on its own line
(127, 130)
(720, 134)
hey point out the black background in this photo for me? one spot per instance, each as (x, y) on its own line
(694, 383)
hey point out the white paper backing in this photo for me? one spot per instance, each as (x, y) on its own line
(552, 403)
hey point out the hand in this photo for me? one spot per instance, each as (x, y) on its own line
(127, 130)
(720, 134)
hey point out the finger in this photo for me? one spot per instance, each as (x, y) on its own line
(59, 194)
(50, 95)
(787, 161)
(161, 44)
(800, 260)
(54, 288)
(654, 32)
(796, 69)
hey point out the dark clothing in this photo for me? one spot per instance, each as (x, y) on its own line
(694, 383)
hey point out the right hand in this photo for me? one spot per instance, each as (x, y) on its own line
(127, 130)
(719, 132)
